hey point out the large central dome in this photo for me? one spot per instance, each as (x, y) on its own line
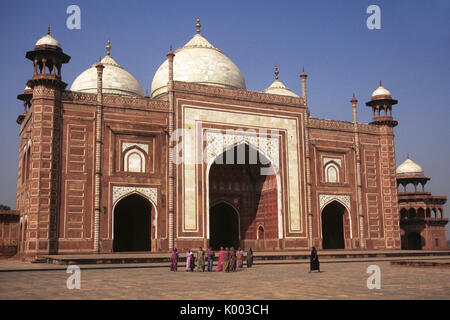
(199, 62)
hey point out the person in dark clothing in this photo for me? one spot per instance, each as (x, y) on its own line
(192, 262)
(249, 258)
(210, 257)
(233, 259)
(314, 260)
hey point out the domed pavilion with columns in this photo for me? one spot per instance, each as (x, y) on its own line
(422, 218)
(202, 162)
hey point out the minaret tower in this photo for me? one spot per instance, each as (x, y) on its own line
(44, 126)
(381, 103)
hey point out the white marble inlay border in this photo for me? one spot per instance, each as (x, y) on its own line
(325, 199)
(126, 145)
(337, 160)
(150, 193)
(217, 143)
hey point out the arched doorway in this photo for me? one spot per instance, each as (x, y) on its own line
(245, 178)
(414, 241)
(333, 226)
(132, 224)
(224, 226)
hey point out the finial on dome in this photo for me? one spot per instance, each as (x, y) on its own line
(380, 84)
(303, 75)
(48, 30)
(170, 54)
(108, 48)
(198, 25)
(407, 156)
(276, 72)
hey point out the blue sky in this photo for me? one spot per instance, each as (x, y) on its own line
(410, 54)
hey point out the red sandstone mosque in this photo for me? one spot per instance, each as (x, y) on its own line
(105, 168)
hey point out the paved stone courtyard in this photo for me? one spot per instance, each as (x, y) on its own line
(283, 281)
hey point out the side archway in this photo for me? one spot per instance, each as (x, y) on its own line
(132, 224)
(335, 226)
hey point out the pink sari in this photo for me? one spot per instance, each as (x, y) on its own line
(219, 263)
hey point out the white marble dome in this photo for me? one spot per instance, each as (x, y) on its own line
(381, 91)
(116, 80)
(199, 62)
(409, 167)
(48, 40)
(278, 87)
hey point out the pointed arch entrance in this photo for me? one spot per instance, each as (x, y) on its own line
(333, 231)
(414, 241)
(132, 224)
(224, 226)
(244, 177)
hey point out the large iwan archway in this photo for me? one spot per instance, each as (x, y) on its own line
(243, 186)
(132, 224)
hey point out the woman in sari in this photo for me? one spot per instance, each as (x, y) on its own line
(226, 261)
(219, 263)
(201, 260)
(314, 260)
(174, 265)
(240, 253)
(188, 260)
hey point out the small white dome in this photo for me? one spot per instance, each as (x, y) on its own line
(199, 62)
(48, 40)
(278, 87)
(381, 91)
(409, 167)
(116, 80)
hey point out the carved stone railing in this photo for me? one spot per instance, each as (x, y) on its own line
(337, 125)
(79, 97)
(115, 100)
(237, 94)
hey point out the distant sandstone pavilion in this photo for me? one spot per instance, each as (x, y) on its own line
(100, 171)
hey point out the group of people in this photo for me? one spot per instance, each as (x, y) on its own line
(229, 259)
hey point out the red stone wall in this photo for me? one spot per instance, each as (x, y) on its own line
(9, 233)
(389, 189)
(335, 139)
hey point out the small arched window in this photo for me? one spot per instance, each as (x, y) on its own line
(331, 173)
(24, 165)
(403, 214)
(260, 235)
(134, 161)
